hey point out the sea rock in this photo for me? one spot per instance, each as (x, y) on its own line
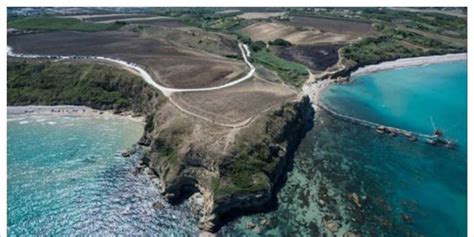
(249, 225)
(194, 210)
(125, 153)
(137, 170)
(206, 234)
(331, 226)
(144, 141)
(257, 230)
(157, 205)
(350, 234)
(355, 199)
(264, 221)
(321, 202)
(407, 218)
(148, 171)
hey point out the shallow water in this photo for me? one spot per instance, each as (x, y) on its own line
(416, 99)
(425, 184)
(66, 177)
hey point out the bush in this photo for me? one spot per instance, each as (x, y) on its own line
(257, 46)
(280, 42)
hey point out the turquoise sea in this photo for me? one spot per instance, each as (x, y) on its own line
(66, 177)
(404, 188)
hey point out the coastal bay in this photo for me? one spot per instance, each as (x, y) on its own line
(67, 177)
(349, 178)
(207, 124)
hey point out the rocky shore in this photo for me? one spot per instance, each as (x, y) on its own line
(242, 178)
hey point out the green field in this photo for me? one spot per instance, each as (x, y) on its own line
(291, 73)
(54, 24)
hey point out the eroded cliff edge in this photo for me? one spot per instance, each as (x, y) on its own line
(235, 169)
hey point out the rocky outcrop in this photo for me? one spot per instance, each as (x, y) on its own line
(190, 156)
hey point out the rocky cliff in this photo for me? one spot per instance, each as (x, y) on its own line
(235, 169)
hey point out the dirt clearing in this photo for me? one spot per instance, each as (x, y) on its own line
(235, 104)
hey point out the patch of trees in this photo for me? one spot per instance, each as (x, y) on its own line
(257, 46)
(280, 42)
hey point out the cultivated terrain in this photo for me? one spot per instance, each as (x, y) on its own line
(235, 107)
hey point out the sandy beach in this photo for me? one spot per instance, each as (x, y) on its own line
(314, 90)
(409, 62)
(69, 110)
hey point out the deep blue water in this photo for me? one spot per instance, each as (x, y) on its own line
(66, 177)
(425, 184)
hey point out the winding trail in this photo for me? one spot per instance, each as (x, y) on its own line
(166, 91)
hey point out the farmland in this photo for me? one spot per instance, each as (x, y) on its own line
(171, 66)
(338, 26)
(55, 24)
(260, 15)
(316, 57)
(229, 118)
(269, 31)
(235, 104)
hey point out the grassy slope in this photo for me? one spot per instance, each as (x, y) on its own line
(291, 73)
(52, 23)
(96, 85)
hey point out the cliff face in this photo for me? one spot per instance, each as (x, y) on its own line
(234, 169)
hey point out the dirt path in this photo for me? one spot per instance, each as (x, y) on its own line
(166, 91)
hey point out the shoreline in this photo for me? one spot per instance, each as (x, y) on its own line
(408, 62)
(315, 90)
(69, 110)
